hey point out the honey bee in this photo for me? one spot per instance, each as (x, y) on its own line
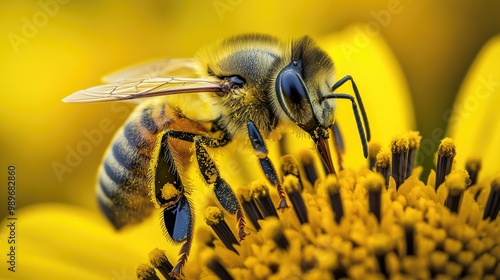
(255, 86)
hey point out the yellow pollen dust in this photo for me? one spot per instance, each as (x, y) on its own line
(447, 147)
(144, 271)
(157, 257)
(213, 215)
(272, 228)
(331, 184)
(399, 144)
(291, 183)
(457, 181)
(306, 157)
(380, 243)
(414, 140)
(495, 184)
(383, 158)
(169, 191)
(289, 165)
(374, 182)
(258, 189)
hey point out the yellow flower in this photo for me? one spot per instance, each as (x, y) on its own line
(360, 223)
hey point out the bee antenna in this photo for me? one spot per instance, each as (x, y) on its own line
(364, 134)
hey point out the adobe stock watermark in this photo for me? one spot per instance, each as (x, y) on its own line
(75, 154)
(485, 87)
(381, 19)
(224, 6)
(122, 275)
(32, 25)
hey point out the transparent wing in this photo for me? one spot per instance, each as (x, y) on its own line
(177, 67)
(134, 88)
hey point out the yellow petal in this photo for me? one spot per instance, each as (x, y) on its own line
(64, 242)
(474, 121)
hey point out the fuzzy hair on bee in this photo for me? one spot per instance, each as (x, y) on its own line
(245, 89)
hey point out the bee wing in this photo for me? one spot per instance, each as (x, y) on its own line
(177, 67)
(134, 88)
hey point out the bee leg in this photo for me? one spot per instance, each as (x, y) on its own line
(260, 150)
(178, 223)
(167, 192)
(222, 190)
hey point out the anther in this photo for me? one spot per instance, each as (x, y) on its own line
(159, 260)
(290, 166)
(307, 160)
(374, 183)
(332, 187)
(383, 165)
(146, 272)
(409, 220)
(456, 182)
(215, 219)
(214, 264)
(413, 145)
(473, 166)
(260, 193)
(446, 153)
(292, 186)
(381, 245)
(250, 206)
(272, 229)
(399, 149)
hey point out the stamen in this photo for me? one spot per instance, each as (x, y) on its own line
(213, 263)
(333, 188)
(260, 194)
(290, 166)
(409, 220)
(374, 183)
(413, 145)
(159, 260)
(145, 272)
(399, 149)
(493, 205)
(446, 153)
(215, 219)
(456, 182)
(250, 206)
(307, 160)
(383, 165)
(381, 244)
(273, 230)
(473, 166)
(293, 187)
(373, 150)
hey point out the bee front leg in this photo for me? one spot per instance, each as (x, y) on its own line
(260, 150)
(222, 190)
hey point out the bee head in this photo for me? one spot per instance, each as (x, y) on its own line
(300, 86)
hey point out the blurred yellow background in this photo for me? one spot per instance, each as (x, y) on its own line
(51, 48)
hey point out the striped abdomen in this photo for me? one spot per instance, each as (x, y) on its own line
(122, 191)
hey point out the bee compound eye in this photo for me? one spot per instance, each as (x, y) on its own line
(292, 88)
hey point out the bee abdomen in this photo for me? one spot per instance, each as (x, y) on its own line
(123, 181)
